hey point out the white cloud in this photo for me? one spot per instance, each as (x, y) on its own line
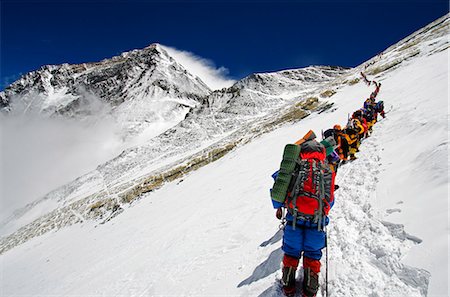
(40, 153)
(213, 77)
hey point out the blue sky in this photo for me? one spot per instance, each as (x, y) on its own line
(242, 36)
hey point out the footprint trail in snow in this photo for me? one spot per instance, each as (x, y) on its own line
(364, 251)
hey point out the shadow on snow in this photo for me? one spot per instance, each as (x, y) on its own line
(269, 266)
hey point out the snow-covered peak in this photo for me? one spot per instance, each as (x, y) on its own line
(146, 91)
(144, 73)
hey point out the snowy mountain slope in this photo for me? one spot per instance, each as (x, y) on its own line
(429, 40)
(207, 132)
(108, 180)
(212, 233)
(209, 243)
(414, 187)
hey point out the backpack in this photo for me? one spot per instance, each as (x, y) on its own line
(351, 127)
(369, 114)
(328, 133)
(379, 107)
(288, 164)
(306, 192)
(356, 125)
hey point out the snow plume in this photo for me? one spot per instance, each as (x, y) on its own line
(213, 77)
(39, 153)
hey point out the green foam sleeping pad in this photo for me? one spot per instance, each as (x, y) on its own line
(280, 187)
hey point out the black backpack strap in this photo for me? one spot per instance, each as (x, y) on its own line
(301, 176)
(321, 198)
(317, 168)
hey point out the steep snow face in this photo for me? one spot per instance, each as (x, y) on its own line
(215, 231)
(413, 188)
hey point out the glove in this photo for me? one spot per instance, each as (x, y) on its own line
(279, 213)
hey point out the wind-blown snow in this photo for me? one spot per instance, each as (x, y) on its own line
(215, 78)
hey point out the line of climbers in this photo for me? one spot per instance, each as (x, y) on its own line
(303, 192)
(378, 57)
(359, 126)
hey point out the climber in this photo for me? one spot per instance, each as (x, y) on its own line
(379, 108)
(353, 130)
(308, 203)
(361, 122)
(342, 140)
(369, 116)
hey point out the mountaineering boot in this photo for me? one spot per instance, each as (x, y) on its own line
(290, 265)
(288, 281)
(310, 283)
(311, 268)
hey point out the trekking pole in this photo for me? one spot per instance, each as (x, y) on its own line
(326, 262)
